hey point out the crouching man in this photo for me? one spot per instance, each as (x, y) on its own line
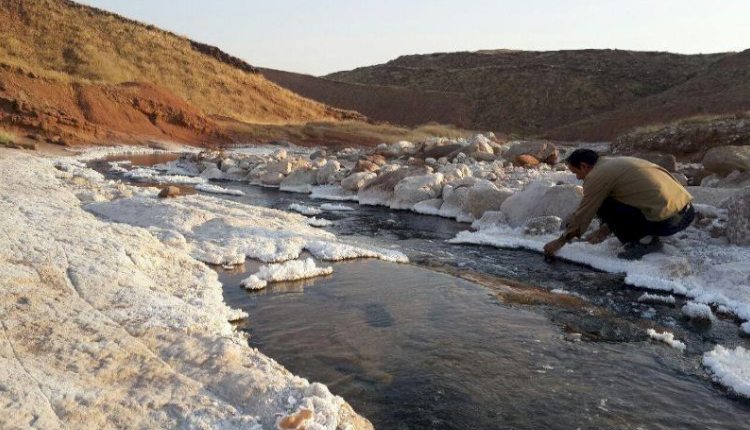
(634, 199)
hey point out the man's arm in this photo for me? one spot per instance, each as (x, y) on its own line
(595, 190)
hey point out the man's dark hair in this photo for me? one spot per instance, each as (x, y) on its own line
(582, 156)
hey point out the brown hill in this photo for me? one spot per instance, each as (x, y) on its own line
(65, 66)
(723, 88)
(535, 92)
(404, 106)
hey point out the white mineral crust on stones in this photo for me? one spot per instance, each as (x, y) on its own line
(104, 324)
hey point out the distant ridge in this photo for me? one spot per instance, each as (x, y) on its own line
(397, 105)
(577, 95)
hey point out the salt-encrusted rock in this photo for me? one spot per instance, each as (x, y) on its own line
(485, 196)
(526, 160)
(738, 223)
(212, 172)
(491, 219)
(169, 192)
(379, 190)
(327, 174)
(542, 225)
(712, 196)
(282, 166)
(402, 147)
(413, 189)
(543, 151)
(667, 161)
(724, 159)
(542, 199)
(226, 164)
(456, 196)
(300, 180)
(355, 181)
(272, 178)
(454, 172)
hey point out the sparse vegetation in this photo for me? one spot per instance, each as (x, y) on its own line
(340, 133)
(7, 138)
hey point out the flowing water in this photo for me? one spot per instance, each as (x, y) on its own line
(412, 347)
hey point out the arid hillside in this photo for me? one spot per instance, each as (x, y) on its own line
(533, 93)
(75, 73)
(723, 88)
(397, 105)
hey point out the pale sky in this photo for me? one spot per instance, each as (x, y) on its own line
(323, 36)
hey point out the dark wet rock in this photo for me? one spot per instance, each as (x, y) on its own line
(437, 152)
(597, 328)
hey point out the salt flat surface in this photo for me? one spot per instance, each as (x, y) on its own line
(105, 323)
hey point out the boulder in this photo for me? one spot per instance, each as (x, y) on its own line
(327, 174)
(525, 160)
(169, 192)
(379, 190)
(440, 151)
(355, 181)
(542, 199)
(485, 196)
(712, 196)
(456, 196)
(377, 159)
(283, 166)
(414, 189)
(271, 178)
(541, 150)
(738, 218)
(667, 161)
(366, 166)
(279, 154)
(454, 172)
(212, 172)
(227, 163)
(318, 154)
(300, 180)
(681, 178)
(725, 159)
(542, 225)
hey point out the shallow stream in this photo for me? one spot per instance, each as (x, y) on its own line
(419, 346)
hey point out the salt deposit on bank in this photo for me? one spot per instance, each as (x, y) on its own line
(105, 321)
(288, 271)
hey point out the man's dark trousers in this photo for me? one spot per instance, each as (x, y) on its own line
(629, 224)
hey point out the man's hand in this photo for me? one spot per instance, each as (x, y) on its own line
(599, 235)
(553, 246)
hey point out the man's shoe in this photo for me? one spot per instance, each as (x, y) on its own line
(635, 251)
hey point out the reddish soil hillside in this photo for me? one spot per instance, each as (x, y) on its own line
(73, 113)
(69, 73)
